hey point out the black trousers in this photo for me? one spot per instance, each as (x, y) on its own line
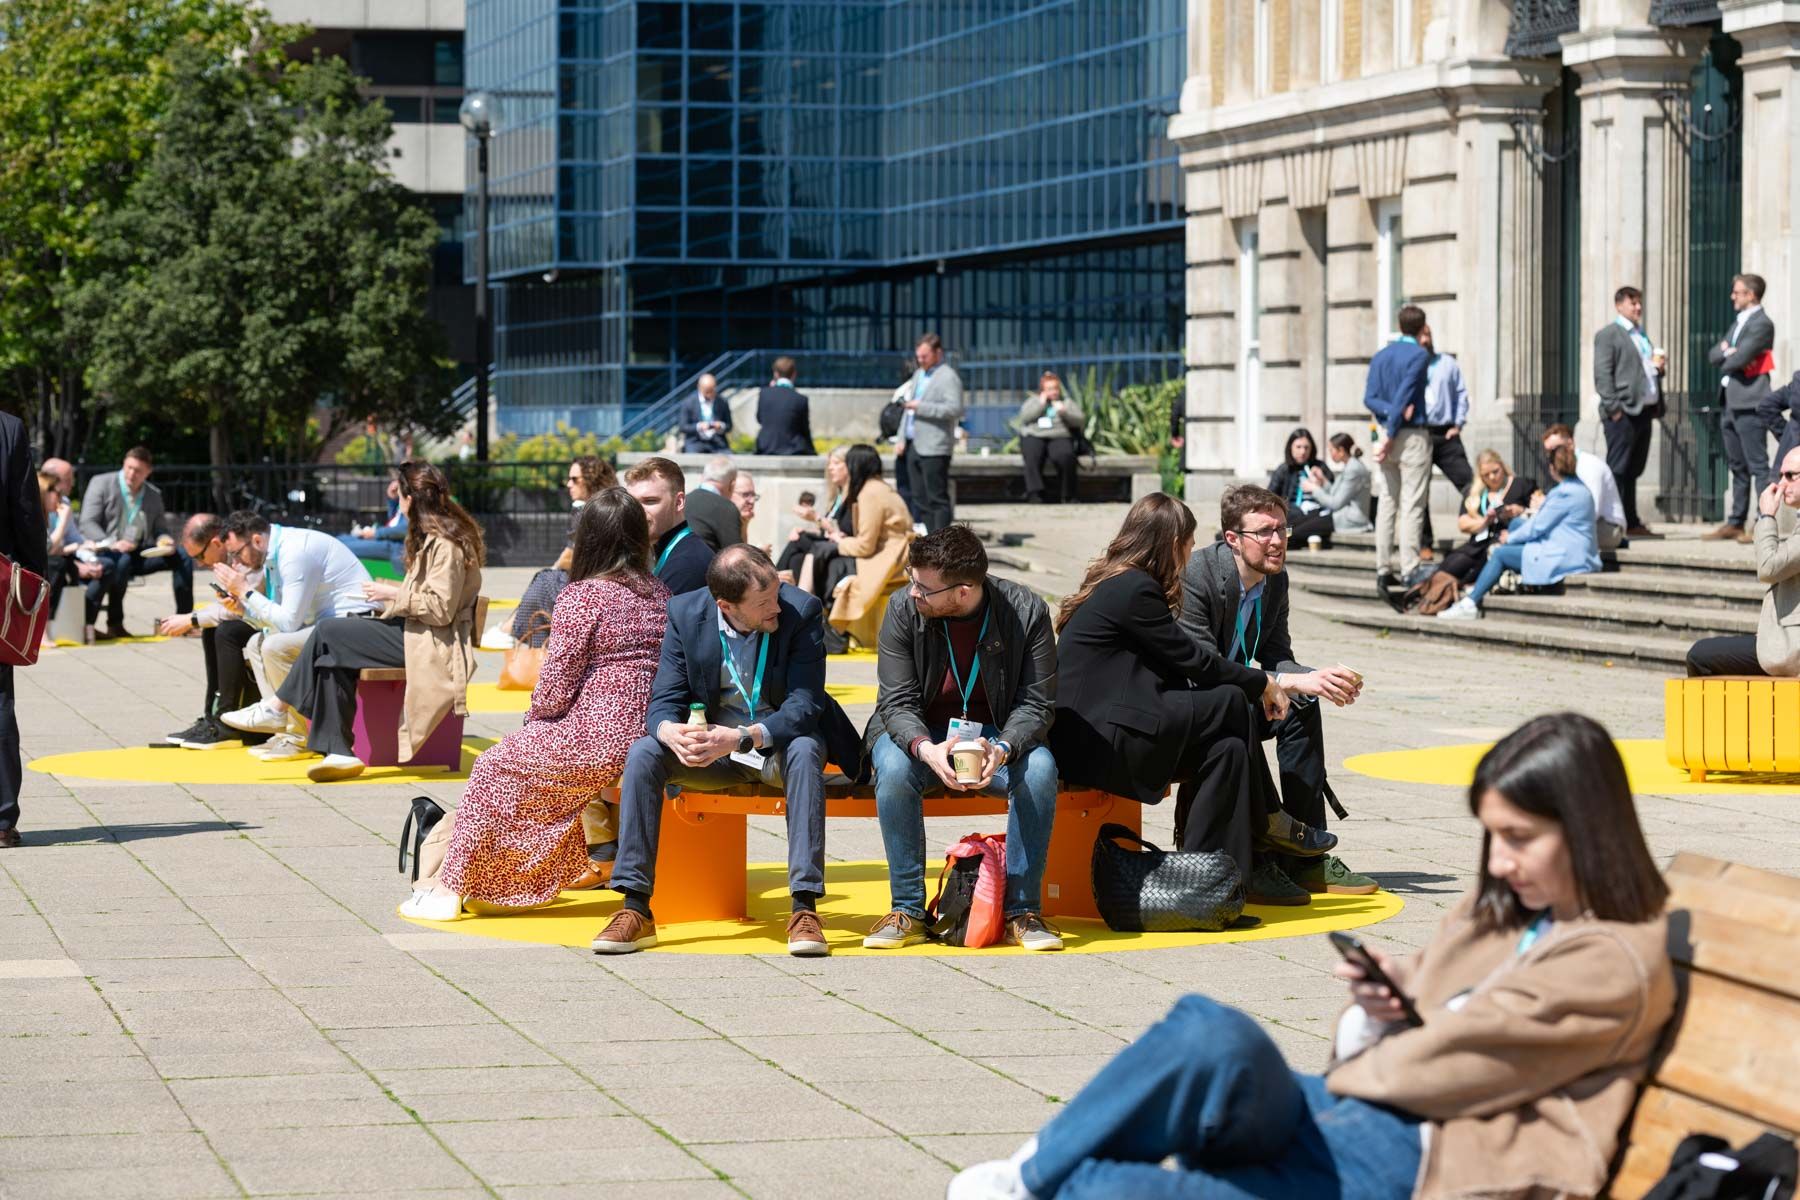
(1747, 453)
(1627, 454)
(795, 552)
(12, 771)
(230, 684)
(120, 569)
(1448, 456)
(1225, 795)
(1734, 655)
(322, 685)
(903, 479)
(1309, 525)
(931, 501)
(1300, 752)
(1060, 453)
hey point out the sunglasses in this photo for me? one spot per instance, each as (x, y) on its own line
(1789, 476)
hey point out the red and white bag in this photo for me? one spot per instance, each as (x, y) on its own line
(24, 611)
(970, 904)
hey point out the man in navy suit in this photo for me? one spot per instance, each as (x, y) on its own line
(784, 415)
(705, 420)
(751, 650)
(22, 540)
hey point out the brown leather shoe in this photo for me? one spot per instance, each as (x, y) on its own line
(10, 838)
(1746, 538)
(1641, 531)
(1724, 533)
(626, 933)
(597, 875)
(806, 939)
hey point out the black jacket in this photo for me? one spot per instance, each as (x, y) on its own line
(714, 519)
(1121, 655)
(1283, 479)
(1210, 591)
(688, 426)
(1018, 668)
(22, 531)
(785, 419)
(684, 570)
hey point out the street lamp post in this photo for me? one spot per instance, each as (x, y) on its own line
(477, 116)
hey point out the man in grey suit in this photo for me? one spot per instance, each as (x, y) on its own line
(929, 432)
(123, 514)
(1628, 378)
(1742, 357)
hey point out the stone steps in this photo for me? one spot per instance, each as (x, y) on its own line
(1535, 635)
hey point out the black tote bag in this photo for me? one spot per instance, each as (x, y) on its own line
(1144, 889)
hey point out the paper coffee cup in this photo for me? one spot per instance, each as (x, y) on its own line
(965, 759)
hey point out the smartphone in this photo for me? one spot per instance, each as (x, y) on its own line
(221, 592)
(1351, 947)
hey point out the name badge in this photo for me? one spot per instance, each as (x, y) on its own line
(749, 758)
(1047, 421)
(962, 730)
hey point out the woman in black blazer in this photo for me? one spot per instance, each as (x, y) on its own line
(1140, 704)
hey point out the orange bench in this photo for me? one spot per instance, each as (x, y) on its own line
(701, 872)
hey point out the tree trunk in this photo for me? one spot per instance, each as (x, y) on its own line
(219, 439)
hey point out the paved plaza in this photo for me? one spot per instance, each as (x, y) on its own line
(206, 990)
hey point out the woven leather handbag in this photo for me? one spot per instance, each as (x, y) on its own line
(1140, 888)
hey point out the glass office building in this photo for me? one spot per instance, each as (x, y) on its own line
(677, 185)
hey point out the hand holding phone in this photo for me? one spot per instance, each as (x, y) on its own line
(219, 591)
(1374, 988)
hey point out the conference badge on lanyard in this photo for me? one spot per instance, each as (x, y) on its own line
(960, 729)
(751, 758)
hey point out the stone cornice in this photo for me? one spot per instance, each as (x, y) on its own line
(1627, 56)
(1765, 28)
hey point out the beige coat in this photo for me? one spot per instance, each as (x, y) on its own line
(1778, 565)
(1527, 1084)
(884, 530)
(437, 598)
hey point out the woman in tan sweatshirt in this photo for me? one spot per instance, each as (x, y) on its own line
(1542, 995)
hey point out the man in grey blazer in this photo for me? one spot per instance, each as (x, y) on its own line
(1628, 378)
(929, 432)
(1742, 357)
(122, 512)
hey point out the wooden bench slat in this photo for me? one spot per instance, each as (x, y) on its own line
(1738, 1047)
(1662, 1119)
(383, 675)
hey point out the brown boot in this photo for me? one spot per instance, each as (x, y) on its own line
(626, 933)
(1724, 533)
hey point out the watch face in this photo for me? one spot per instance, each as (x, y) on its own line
(746, 743)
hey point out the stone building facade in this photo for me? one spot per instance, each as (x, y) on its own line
(1505, 166)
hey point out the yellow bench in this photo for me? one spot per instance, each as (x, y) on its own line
(1732, 723)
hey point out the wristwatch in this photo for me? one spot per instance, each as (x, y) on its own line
(746, 741)
(193, 620)
(1005, 749)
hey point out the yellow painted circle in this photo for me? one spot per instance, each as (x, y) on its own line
(1646, 763)
(856, 896)
(496, 605)
(488, 698)
(142, 764)
(144, 640)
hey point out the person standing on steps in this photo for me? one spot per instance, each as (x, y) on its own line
(1395, 396)
(1744, 359)
(933, 408)
(1446, 412)
(1628, 378)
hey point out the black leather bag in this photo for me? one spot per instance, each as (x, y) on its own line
(1705, 1167)
(1144, 889)
(893, 415)
(421, 818)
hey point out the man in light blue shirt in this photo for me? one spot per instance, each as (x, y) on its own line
(1446, 412)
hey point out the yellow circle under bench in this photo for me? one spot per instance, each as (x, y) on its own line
(856, 896)
(1646, 763)
(145, 764)
(487, 698)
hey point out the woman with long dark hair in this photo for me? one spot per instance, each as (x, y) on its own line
(425, 625)
(516, 839)
(1542, 995)
(1299, 462)
(1342, 504)
(1139, 704)
(871, 561)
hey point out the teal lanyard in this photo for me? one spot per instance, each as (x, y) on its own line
(1248, 648)
(269, 563)
(1297, 488)
(967, 689)
(131, 509)
(1486, 501)
(670, 549)
(837, 502)
(753, 697)
(1533, 932)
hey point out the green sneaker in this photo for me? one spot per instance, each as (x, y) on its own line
(1330, 875)
(1270, 885)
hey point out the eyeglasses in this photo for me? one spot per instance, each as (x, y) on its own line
(573, 479)
(912, 586)
(753, 497)
(1789, 476)
(1266, 536)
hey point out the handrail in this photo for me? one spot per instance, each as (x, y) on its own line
(654, 414)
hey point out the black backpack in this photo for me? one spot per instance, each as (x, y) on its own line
(1705, 1167)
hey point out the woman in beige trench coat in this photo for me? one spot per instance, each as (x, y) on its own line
(871, 560)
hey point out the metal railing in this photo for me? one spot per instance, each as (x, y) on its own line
(522, 507)
(1694, 472)
(879, 369)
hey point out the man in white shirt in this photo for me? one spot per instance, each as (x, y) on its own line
(1446, 412)
(1591, 469)
(307, 576)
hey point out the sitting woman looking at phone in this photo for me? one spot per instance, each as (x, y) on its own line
(1542, 996)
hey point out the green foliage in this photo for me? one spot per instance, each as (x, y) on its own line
(86, 82)
(1133, 420)
(263, 259)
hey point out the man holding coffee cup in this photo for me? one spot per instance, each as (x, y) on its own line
(1628, 377)
(967, 688)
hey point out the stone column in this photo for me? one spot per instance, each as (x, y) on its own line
(1769, 32)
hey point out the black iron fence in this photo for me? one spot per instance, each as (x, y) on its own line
(523, 507)
(1694, 474)
(1532, 414)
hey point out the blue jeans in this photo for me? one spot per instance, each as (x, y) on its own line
(1207, 1085)
(901, 782)
(372, 549)
(1500, 559)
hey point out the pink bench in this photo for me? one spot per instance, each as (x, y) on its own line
(381, 698)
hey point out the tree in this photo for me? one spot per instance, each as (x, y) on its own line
(263, 262)
(82, 83)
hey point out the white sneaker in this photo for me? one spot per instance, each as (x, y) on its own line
(261, 717)
(997, 1180)
(283, 747)
(1462, 610)
(432, 905)
(334, 767)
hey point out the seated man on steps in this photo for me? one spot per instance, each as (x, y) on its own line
(307, 577)
(1774, 649)
(964, 656)
(1235, 604)
(223, 634)
(747, 652)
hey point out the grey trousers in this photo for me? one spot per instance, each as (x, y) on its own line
(650, 767)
